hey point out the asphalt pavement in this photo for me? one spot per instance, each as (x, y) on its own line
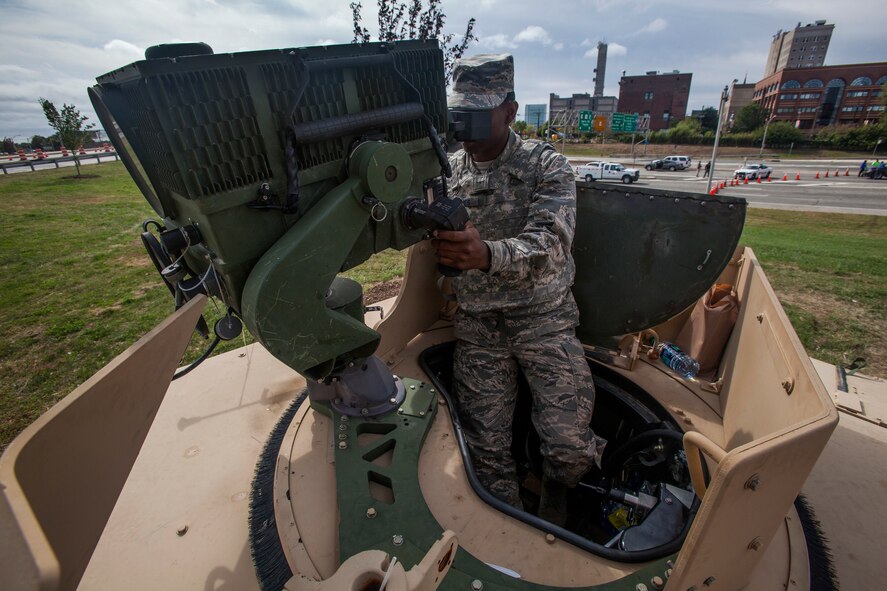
(841, 194)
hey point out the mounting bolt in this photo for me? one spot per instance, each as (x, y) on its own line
(709, 581)
(657, 582)
(343, 445)
(477, 585)
(364, 411)
(400, 411)
(549, 538)
(668, 572)
(753, 483)
(397, 540)
(371, 512)
(421, 413)
(412, 386)
(669, 563)
(640, 587)
(432, 390)
(344, 418)
(392, 400)
(755, 544)
(343, 436)
(343, 427)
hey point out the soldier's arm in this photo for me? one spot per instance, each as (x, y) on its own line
(548, 235)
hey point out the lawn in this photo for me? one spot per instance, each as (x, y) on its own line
(77, 287)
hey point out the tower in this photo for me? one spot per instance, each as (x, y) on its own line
(601, 69)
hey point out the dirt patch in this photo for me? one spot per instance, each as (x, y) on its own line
(81, 177)
(824, 307)
(382, 291)
(135, 260)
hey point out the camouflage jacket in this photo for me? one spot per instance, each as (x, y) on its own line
(524, 207)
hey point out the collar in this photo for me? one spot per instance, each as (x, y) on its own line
(514, 142)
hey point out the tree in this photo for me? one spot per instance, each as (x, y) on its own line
(38, 141)
(750, 117)
(69, 124)
(708, 119)
(781, 133)
(519, 126)
(686, 131)
(418, 23)
(8, 145)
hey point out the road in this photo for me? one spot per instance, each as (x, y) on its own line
(841, 194)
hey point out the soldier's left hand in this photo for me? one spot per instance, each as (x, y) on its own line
(462, 249)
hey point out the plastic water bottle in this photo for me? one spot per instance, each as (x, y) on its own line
(678, 361)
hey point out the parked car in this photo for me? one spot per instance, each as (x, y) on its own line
(664, 164)
(593, 171)
(752, 172)
(681, 162)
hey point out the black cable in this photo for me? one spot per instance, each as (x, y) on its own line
(199, 360)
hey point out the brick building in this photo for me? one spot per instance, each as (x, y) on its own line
(814, 97)
(662, 97)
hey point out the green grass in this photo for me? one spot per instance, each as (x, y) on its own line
(831, 278)
(77, 288)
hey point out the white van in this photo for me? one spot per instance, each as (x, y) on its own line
(682, 161)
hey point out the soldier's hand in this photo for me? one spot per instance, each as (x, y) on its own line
(462, 249)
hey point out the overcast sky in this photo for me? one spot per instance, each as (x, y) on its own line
(56, 49)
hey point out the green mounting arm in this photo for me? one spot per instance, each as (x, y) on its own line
(285, 297)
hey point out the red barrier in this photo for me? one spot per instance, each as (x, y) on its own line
(798, 176)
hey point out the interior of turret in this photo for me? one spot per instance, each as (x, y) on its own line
(637, 506)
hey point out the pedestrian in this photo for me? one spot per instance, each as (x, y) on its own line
(516, 311)
(707, 169)
(698, 167)
(862, 167)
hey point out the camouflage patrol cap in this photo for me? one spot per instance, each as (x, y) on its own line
(482, 81)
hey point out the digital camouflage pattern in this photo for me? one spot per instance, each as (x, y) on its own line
(481, 81)
(521, 315)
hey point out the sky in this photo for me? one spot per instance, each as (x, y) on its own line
(55, 50)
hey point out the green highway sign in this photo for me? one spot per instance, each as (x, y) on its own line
(624, 122)
(585, 120)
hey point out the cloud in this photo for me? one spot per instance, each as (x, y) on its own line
(326, 42)
(654, 26)
(118, 45)
(497, 41)
(558, 46)
(533, 34)
(612, 49)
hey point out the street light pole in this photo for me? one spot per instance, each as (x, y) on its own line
(764, 139)
(714, 151)
(878, 143)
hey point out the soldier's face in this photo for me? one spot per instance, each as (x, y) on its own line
(490, 148)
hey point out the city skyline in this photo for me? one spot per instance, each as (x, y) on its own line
(56, 51)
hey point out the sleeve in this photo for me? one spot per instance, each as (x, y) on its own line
(546, 239)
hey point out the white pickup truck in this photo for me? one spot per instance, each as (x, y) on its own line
(593, 171)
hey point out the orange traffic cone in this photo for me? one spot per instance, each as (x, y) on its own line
(798, 176)
(826, 174)
(769, 180)
(745, 181)
(817, 175)
(785, 177)
(759, 180)
(847, 172)
(714, 190)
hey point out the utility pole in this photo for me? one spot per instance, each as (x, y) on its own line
(878, 143)
(714, 151)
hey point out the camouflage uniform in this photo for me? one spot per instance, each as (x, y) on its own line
(521, 314)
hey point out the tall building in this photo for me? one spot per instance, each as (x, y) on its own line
(601, 70)
(740, 95)
(661, 97)
(815, 97)
(534, 115)
(804, 47)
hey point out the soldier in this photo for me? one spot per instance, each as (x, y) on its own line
(516, 310)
